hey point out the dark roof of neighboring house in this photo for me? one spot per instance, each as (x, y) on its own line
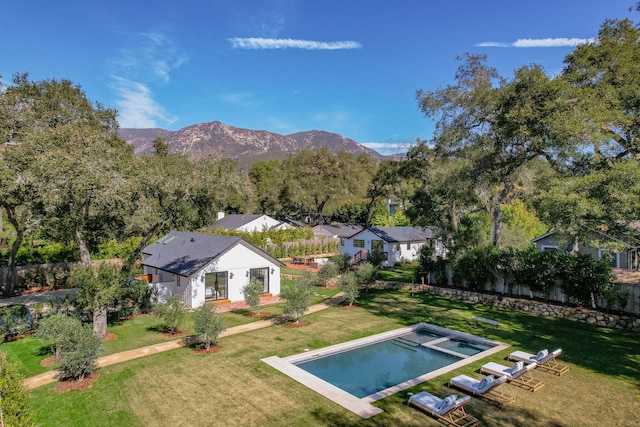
(340, 230)
(184, 253)
(402, 234)
(234, 221)
(634, 243)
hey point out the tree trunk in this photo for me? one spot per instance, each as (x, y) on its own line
(100, 321)
(497, 225)
(12, 273)
(85, 256)
(575, 248)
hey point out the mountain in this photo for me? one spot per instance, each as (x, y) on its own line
(246, 146)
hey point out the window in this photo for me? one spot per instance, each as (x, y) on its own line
(408, 246)
(549, 248)
(611, 257)
(358, 243)
(377, 245)
(261, 275)
(342, 241)
(177, 280)
(215, 285)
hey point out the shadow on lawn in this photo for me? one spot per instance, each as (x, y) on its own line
(608, 351)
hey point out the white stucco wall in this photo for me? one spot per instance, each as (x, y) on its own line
(238, 261)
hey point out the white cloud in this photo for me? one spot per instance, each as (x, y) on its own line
(548, 42)
(136, 106)
(265, 43)
(147, 62)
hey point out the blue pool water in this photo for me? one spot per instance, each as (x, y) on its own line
(371, 368)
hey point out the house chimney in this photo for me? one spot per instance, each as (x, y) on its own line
(220, 215)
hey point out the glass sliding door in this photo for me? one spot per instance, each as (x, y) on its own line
(215, 285)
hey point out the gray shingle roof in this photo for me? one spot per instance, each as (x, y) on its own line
(403, 234)
(184, 253)
(341, 230)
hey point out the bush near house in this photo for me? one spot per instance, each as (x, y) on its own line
(172, 312)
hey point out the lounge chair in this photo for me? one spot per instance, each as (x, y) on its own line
(449, 410)
(545, 360)
(519, 374)
(487, 388)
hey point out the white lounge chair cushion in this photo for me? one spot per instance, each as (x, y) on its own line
(447, 403)
(541, 355)
(485, 384)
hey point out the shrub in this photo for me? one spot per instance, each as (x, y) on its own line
(14, 320)
(78, 353)
(208, 325)
(252, 292)
(172, 313)
(327, 271)
(139, 293)
(343, 261)
(349, 285)
(15, 399)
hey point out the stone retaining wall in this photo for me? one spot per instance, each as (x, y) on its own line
(540, 308)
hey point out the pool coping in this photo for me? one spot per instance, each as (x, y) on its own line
(363, 406)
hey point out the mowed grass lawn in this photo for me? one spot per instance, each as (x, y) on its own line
(233, 387)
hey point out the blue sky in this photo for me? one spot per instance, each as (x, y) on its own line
(345, 66)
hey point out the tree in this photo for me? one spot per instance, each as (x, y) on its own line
(160, 146)
(606, 74)
(180, 194)
(348, 284)
(252, 292)
(313, 178)
(297, 295)
(172, 313)
(366, 274)
(56, 328)
(14, 399)
(100, 288)
(501, 126)
(208, 325)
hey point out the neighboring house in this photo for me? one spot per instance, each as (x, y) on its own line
(207, 267)
(249, 223)
(397, 244)
(625, 255)
(341, 231)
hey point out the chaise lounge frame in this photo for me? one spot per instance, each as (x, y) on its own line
(457, 416)
(493, 395)
(548, 363)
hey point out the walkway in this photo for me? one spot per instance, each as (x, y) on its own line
(52, 376)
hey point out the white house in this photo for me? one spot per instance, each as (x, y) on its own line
(619, 253)
(249, 223)
(396, 244)
(207, 267)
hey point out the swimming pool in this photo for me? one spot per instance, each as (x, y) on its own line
(359, 372)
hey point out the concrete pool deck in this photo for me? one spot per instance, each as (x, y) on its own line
(363, 406)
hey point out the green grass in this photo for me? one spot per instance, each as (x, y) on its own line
(233, 387)
(404, 273)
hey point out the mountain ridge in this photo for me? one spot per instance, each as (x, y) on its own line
(246, 146)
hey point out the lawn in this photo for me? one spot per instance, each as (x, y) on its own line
(233, 387)
(404, 273)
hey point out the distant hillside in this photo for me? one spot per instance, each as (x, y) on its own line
(244, 145)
